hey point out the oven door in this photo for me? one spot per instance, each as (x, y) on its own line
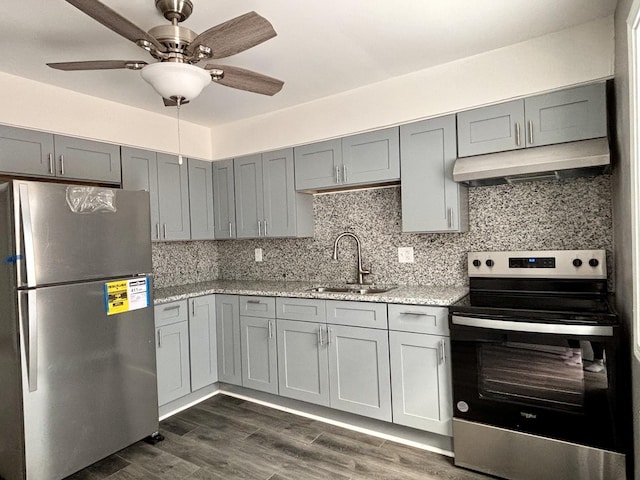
(535, 377)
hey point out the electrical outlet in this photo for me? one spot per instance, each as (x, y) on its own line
(258, 254)
(405, 254)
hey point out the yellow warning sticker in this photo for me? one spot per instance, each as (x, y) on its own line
(125, 295)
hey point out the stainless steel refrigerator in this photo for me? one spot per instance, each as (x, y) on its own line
(77, 356)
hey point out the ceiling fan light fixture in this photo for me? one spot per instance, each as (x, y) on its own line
(181, 80)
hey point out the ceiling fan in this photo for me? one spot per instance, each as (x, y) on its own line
(175, 76)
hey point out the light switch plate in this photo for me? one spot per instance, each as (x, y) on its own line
(405, 254)
(258, 254)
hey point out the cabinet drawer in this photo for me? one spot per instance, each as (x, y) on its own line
(419, 319)
(251, 306)
(357, 314)
(169, 313)
(305, 309)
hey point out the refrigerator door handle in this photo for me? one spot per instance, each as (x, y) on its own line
(27, 230)
(29, 322)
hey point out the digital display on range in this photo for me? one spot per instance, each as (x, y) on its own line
(532, 262)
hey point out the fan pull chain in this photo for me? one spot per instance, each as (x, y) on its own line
(178, 102)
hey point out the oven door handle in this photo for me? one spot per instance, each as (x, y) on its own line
(530, 327)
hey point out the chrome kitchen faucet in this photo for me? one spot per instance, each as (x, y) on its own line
(361, 271)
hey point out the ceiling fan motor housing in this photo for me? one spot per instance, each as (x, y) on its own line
(172, 10)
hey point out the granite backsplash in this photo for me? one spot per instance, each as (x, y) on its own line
(570, 214)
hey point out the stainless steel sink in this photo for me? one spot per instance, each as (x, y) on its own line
(358, 289)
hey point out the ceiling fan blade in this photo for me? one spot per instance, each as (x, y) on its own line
(98, 65)
(242, 79)
(172, 103)
(114, 21)
(235, 36)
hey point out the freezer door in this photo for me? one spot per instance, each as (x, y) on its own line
(92, 378)
(56, 244)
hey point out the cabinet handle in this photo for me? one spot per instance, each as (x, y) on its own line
(159, 339)
(259, 228)
(157, 231)
(441, 348)
(449, 218)
(328, 335)
(193, 308)
(517, 134)
(171, 307)
(253, 301)
(164, 228)
(270, 329)
(530, 124)
(344, 173)
(51, 164)
(413, 314)
(320, 339)
(337, 174)
(61, 164)
(230, 233)
(265, 228)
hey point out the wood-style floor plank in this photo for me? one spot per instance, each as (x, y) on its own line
(232, 439)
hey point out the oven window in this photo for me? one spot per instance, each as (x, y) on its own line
(551, 376)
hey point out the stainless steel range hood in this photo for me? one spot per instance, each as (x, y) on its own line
(565, 160)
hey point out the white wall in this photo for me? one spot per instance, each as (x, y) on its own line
(30, 104)
(577, 55)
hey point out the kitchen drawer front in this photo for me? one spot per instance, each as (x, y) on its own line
(357, 314)
(304, 309)
(264, 307)
(419, 319)
(169, 313)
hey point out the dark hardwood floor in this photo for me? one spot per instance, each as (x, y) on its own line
(228, 438)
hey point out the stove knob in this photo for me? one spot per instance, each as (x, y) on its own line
(477, 263)
(594, 262)
(577, 262)
(489, 263)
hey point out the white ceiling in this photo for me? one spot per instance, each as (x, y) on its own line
(323, 47)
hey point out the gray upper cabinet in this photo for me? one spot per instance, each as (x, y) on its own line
(203, 341)
(28, 152)
(201, 199)
(267, 204)
(259, 356)
(577, 113)
(359, 371)
(173, 194)
(228, 330)
(366, 158)
(140, 172)
(431, 200)
(224, 201)
(567, 115)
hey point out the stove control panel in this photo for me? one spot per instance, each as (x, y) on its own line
(545, 264)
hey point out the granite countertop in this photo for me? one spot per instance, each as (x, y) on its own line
(414, 295)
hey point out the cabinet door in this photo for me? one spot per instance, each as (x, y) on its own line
(318, 165)
(200, 199)
(224, 202)
(82, 159)
(491, 129)
(228, 329)
(372, 157)
(173, 195)
(431, 200)
(303, 361)
(26, 152)
(420, 379)
(259, 361)
(359, 371)
(140, 172)
(247, 173)
(279, 194)
(203, 341)
(573, 114)
(172, 359)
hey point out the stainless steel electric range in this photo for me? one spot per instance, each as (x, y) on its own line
(536, 368)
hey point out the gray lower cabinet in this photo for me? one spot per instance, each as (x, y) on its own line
(259, 354)
(359, 371)
(173, 194)
(203, 341)
(267, 204)
(172, 351)
(567, 115)
(421, 381)
(229, 345)
(366, 158)
(200, 199)
(33, 153)
(140, 172)
(224, 200)
(431, 200)
(303, 360)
